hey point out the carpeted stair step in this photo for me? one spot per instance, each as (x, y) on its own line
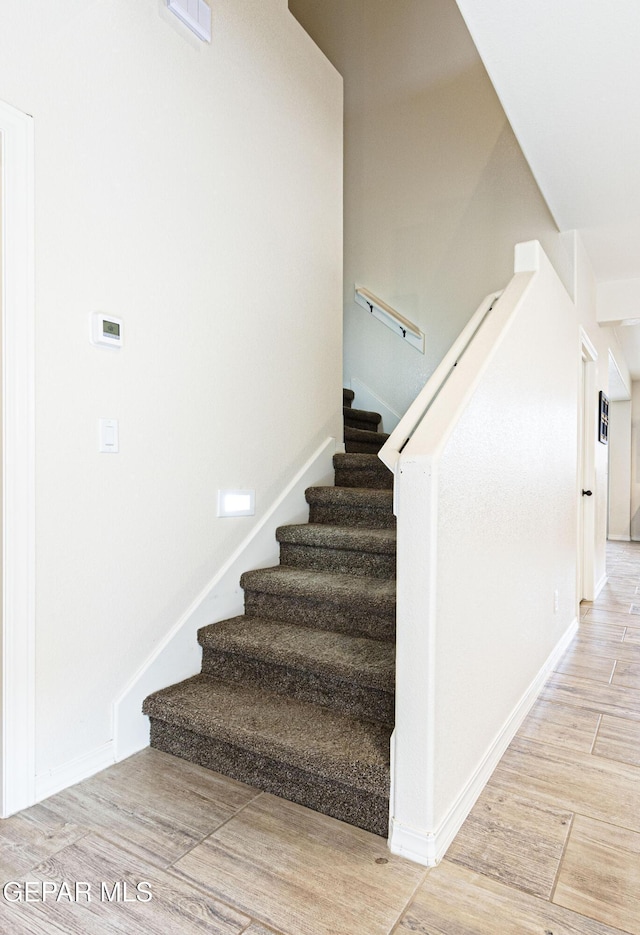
(361, 419)
(358, 605)
(354, 675)
(362, 470)
(351, 506)
(347, 550)
(306, 753)
(359, 440)
(296, 697)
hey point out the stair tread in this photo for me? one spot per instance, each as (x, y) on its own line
(358, 497)
(364, 435)
(296, 696)
(353, 538)
(359, 461)
(374, 593)
(367, 662)
(308, 736)
(355, 469)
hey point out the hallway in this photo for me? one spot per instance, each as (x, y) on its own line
(551, 846)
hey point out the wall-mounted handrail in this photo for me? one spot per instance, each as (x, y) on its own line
(390, 317)
(390, 451)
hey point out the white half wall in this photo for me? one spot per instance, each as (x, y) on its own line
(486, 493)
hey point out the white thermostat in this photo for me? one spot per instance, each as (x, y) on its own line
(106, 331)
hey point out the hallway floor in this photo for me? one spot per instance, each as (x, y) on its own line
(552, 847)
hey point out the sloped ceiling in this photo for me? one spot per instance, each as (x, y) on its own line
(568, 75)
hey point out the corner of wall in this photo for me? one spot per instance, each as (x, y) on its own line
(428, 846)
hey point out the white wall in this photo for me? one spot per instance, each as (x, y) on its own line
(437, 191)
(487, 523)
(619, 526)
(196, 191)
(1, 318)
(605, 343)
(635, 461)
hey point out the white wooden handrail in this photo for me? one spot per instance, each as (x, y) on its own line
(390, 451)
(390, 317)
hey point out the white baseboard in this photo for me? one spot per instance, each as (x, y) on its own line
(412, 843)
(599, 586)
(428, 847)
(365, 398)
(613, 538)
(178, 655)
(61, 777)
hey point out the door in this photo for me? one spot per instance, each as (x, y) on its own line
(586, 471)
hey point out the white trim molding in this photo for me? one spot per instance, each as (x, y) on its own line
(428, 847)
(61, 777)
(601, 583)
(18, 462)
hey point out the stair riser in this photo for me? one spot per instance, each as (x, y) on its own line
(365, 448)
(337, 514)
(321, 615)
(353, 422)
(319, 688)
(377, 480)
(355, 806)
(341, 561)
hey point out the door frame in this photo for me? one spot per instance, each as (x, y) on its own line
(586, 469)
(17, 665)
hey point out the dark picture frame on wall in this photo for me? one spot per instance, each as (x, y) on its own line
(603, 419)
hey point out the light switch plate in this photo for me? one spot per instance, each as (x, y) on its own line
(108, 441)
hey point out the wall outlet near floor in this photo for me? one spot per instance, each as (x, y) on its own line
(556, 601)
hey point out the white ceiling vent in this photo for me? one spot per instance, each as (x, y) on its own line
(196, 14)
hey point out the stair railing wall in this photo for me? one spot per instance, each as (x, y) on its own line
(486, 503)
(390, 451)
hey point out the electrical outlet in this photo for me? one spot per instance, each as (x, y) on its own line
(556, 601)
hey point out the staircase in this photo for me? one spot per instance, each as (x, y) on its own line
(296, 697)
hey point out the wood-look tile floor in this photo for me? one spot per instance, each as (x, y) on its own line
(552, 846)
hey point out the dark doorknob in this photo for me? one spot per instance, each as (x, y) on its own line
(587, 493)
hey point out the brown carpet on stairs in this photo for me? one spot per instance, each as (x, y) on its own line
(296, 696)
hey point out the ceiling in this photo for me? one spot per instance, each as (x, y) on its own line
(568, 76)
